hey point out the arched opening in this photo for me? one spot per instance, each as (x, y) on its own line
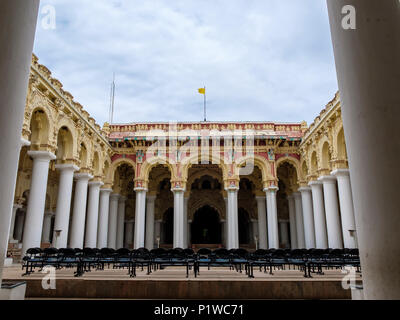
(64, 145)
(244, 227)
(287, 183)
(83, 156)
(314, 163)
(206, 226)
(341, 146)
(168, 230)
(96, 164)
(39, 129)
(160, 187)
(206, 204)
(326, 157)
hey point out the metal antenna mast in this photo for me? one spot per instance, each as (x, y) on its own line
(112, 100)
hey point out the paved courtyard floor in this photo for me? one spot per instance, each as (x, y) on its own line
(179, 273)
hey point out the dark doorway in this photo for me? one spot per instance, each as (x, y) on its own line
(244, 227)
(206, 227)
(169, 226)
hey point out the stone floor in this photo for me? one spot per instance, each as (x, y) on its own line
(179, 273)
(171, 283)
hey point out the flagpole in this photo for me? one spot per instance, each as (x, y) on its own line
(205, 105)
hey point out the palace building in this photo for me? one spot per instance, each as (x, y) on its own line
(215, 184)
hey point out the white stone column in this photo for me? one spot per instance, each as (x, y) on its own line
(346, 207)
(232, 219)
(367, 63)
(149, 243)
(129, 233)
(19, 228)
(283, 227)
(301, 243)
(140, 217)
(79, 213)
(12, 224)
(104, 206)
(63, 209)
(185, 221)
(157, 232)
(333, 225)
(92, 214)
(308, 216)
(178, 218)
(262, 223)
(272, 217)
(254, 231)
(321, 237)
(120, 223)
(292, 222)
(37, 199)
(17, 24)
(46, 236)
(112, 221)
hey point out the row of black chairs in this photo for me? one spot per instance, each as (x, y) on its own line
(85, 260)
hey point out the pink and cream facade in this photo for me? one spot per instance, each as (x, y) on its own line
(230, 184)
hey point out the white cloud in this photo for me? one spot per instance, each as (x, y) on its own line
(260, 59)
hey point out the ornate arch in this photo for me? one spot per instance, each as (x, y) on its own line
(206, 199)
(293, 161)
(188, 162)
(149, 164)
(39, 103)
(260, 162)
(69, 124)
(115, 164)
(204, 172)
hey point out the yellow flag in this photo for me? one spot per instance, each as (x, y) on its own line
(202, 90)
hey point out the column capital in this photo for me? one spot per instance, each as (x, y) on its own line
(122, 199)
(42, 155)
(96, 184)
(341, 173)
(304, 189)
(271, 189)
(177, 190)
(151, 197)
(296, 194)
(106, 190)
(115, 196)
(328, 179)
(140, 189)
(130, 221)
(83, 176)
(66, 167)
(49, 213)
(260, 198)
(25, 143)
(315, 183)
(232, 188)
(17, 206)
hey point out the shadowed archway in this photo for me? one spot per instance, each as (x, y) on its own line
(206, 226)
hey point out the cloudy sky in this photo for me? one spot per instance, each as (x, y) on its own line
(260, 60)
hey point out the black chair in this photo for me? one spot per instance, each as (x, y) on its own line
(202, 259)
(32, 260)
